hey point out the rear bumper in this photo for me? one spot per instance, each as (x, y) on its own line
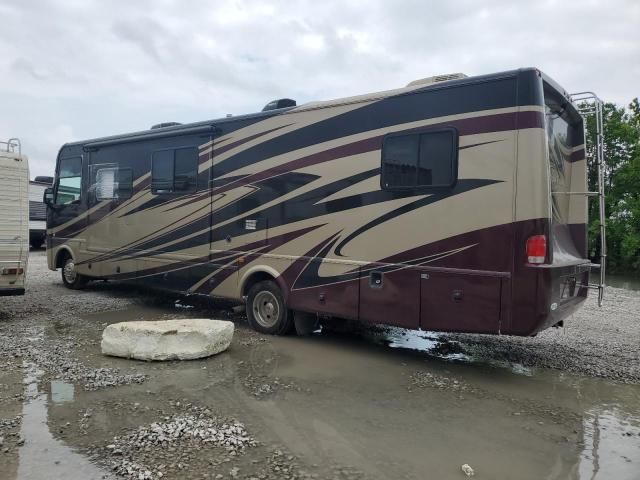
(544, 295)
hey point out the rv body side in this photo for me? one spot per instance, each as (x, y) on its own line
(324, 200)
(14, 221)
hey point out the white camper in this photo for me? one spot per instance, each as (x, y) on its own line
(14, 217)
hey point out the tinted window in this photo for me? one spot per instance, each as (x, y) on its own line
(125, 182)
(401, 161)
(437, 158)
(420, 160)
(162, 171)
(174, 170)
(186, 169)
(69, 181)
(70, 167)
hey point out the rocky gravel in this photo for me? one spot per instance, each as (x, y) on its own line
(57, 360)
(134, 455)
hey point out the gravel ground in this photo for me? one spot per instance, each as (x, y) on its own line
(24, 339)
(595, 341)
(45, 336)
(135, 454)
(162, 438)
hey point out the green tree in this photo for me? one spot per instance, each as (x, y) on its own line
(622, 187)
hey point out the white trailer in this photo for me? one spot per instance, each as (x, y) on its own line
(14, 217)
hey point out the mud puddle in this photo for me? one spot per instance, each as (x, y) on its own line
(386, 404)
(40, 454)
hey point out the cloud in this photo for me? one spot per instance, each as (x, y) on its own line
(80, 69)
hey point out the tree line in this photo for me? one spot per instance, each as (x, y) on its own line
(622, 188)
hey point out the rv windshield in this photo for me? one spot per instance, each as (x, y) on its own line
(69, 181)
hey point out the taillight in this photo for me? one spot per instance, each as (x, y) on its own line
(537, 249)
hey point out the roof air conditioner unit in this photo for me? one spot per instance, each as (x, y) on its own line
(437, 79)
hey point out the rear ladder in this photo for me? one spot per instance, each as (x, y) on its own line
(589, 104)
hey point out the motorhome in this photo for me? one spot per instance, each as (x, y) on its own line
(453, 204)
(38, 211)
(14, 217)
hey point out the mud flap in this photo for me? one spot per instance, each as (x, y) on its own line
(305, 323)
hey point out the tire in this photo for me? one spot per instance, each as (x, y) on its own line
(266, 310)
(70, 278)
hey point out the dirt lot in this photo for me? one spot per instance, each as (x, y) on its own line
(380, 403)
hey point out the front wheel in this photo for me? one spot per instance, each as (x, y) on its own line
(266, 310)
(70, 277)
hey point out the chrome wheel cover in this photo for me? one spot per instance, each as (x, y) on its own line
(266, 309)
(69, 271)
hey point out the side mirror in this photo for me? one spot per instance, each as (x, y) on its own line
(47, 198)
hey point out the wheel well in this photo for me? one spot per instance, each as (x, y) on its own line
(61, 256)
(253, 279)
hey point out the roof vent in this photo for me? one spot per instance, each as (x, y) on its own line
(165, 124)
(280, 103)
(437, 79)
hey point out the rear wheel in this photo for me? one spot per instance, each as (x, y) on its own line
(70, 277)
(266, 310)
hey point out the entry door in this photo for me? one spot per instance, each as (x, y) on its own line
(237, 225)
(457, 302)
(109, 186)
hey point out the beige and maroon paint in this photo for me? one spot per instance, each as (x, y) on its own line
(450, 260)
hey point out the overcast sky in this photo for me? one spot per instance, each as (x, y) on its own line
(75, 69)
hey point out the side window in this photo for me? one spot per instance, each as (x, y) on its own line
(400, 161)
(175, 170)
(69, 183)
(110, 182)
(420, 160)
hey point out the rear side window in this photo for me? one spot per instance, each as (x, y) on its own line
(420, 160)
(174, 170)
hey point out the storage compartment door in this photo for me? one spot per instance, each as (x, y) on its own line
(455, 302)
(390, 297)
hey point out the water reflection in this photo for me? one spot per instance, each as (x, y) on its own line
(611, 445)
(62, 392)
(41, 455)
(428, 342)
(610, 433)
